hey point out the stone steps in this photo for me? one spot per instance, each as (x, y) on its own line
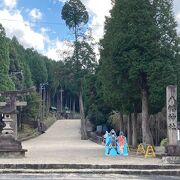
(88, 166)
(165, 172)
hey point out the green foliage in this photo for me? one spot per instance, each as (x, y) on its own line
(15, 70)
(84, 65)
(139, 55)
(164, 142)
(139, 51)
(18, 68)
(165, 68)
(5, 81)
(96, 116)
(96, 110)
(37, 67)
(74, 13)
(30, 112)
(54, 71)
(23, 67)
(113, 120)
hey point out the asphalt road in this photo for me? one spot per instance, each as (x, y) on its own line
(81, 177)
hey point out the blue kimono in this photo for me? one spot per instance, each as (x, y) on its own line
(109, 148)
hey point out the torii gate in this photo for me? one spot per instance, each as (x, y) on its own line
(8, 139)
(10, 107)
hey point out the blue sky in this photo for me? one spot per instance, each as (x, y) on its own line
(38, 23)
(50, 19)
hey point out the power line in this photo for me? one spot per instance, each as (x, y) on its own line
(42, 22)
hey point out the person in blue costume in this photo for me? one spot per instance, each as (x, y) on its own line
(125, 150)
(106, 140)
(105, 136)
(111, 146)
(123, 146)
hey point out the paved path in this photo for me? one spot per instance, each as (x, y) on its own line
(61, 144)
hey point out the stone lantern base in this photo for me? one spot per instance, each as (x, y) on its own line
(173, 150)
(173, 154)
(171, 159)
(10, 148)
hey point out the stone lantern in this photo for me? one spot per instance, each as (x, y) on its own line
(9, 146)
(7, 129)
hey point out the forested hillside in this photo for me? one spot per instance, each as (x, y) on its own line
(22, 68)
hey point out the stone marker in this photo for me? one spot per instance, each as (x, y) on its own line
(171, 103)
(172, 150)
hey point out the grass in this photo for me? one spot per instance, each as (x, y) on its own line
(28, 132)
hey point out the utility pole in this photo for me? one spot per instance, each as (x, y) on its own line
(42, 91)
(61, 101)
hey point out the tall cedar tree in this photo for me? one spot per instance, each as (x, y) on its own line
(75, 15)
(132, 54)
(169, 51)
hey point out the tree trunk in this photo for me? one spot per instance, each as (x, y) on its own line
(48, 104)
(134, 130)
(44, 103)
(70, 103)
(74, 106)
(146, 133)
(83, 120)
(129, 130)
(58, 104)
(49, 97)
(61, 101)
(121, 122)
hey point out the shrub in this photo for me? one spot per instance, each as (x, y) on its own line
(164, 142)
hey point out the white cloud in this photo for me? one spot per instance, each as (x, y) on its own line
(44, 30)
(15, 25)
(98, 10)
(59, 50)
(55, 1)
(10, 3)
(178, 21)
(35, 14)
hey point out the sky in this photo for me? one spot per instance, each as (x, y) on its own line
(38, 24)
